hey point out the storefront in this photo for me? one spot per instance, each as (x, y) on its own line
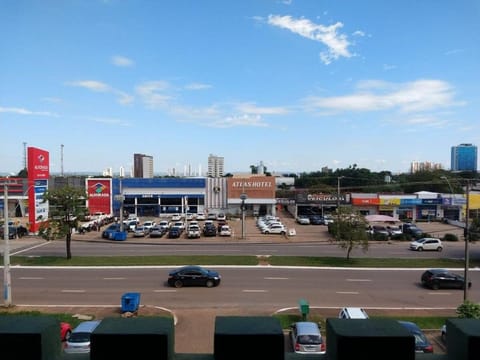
(255, 193)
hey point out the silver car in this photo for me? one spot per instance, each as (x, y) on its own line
(79, 340)
(306, 338)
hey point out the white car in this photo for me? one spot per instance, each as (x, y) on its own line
(275, 229)
(193, 232)
(165, 224)
(303, 220)
(433, 244)
(176, 217)
(200, 216)
(149, 224)
(225, 231)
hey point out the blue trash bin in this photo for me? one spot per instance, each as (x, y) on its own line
(130, 302)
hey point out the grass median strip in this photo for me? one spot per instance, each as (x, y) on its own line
(234, 260)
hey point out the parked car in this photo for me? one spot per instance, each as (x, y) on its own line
(209, 230)
(303, 220)
(193, 275)
(79, 341)
(176, 217)
(165, 224)
(193, 232)
(352, 313)
(378, 232)
(443, 279)
(225, 231)
(149, 224)
(140, 231)
(433, 244)
(394, 230)
(422, 345)
(221, 217)
(12, 232)
(200, 216)
(157, 231)
(316, 220)
(65, 331)
(174, 232)
(275, 229)
(306, 338)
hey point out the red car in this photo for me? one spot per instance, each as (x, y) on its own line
(65, 331)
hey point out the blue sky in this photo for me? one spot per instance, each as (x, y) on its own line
(297, 85)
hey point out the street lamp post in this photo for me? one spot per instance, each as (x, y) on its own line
(7, 286)
(465, 234)
(338, 192)
(467, 240)
(243, 197)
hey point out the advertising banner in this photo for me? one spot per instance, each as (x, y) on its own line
(38, 175)
(99, 192)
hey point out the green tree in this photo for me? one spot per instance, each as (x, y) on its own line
(66, 206)
(349, 230)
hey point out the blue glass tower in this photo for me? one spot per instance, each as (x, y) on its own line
(464, 158)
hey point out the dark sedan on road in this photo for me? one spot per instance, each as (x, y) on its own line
(193, 276)
(443, 279)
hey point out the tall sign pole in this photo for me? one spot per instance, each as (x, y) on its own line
(7, 286)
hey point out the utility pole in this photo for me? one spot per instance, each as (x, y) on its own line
(7, 286)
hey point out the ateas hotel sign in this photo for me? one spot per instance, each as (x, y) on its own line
(256, 187)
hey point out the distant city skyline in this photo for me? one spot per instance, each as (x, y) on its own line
(297, 85)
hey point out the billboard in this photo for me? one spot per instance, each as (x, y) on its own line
(38, 168)
(99, 192)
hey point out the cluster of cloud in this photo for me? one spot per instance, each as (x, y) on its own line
(337, 44)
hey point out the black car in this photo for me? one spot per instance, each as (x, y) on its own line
(422, 345)
(193, 275)
(443, 279)
(209, 230)
(174, 232)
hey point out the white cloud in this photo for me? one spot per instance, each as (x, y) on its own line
(239, 120)
(251, 108)
(98, 86)
(197, 86)
(337, 44)
(420, 95)
(152, 93)
(122, 61)
(21, 111)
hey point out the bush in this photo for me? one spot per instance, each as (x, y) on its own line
(469, 310)
(450, 237)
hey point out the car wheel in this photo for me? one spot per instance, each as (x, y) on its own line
(439, 249)
(444, 337)
(178, 283)
(209, 283)
(67, 335)
(420, 249)
(283, 233)
(435, 286)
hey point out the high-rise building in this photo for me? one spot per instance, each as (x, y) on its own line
(416, 166)
(464, 158)
(142, 166)
(215, 166)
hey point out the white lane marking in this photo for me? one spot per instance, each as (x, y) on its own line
(439, 293)
(114, 278)
(255, 291)
(359, 280)
(276, 278)
(72, 291)
(164, 291)
(31, 278)
(348, 292)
